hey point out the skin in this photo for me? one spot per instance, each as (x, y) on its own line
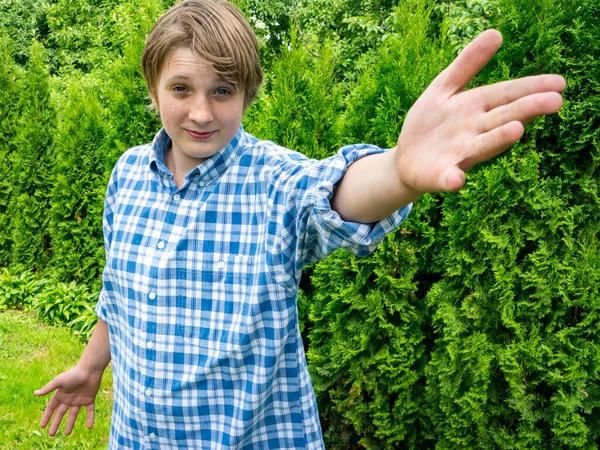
(192, 97)
(446, 132)
(78, 387)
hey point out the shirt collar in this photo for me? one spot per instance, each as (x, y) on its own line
(209, 169)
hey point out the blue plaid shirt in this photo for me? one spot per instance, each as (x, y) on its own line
(200, 289)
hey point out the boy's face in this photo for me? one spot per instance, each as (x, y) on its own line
(199, 110)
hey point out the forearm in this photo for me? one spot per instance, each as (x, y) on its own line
(372, 189)
(96, 355)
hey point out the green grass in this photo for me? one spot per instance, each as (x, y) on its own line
(31, 354)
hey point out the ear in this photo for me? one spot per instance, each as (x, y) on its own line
(154, 105)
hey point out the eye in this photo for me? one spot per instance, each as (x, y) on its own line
(222, 91)
(179, 89)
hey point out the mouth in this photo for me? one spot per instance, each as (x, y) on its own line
(201, 135)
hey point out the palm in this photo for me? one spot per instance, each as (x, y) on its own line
(449, 130)
(77, 390)
(74, 389)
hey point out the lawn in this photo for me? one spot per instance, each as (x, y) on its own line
(31, 354)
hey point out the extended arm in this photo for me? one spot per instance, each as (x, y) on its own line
(446, 132)
(78, 386)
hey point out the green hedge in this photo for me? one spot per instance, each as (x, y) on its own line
(474, 325)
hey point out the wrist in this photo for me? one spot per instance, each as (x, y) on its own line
(96, 356)
(91, 368)
(402, 189)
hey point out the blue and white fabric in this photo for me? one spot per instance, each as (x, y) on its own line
(200, 290)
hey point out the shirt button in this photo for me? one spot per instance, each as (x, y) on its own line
(152, 295)
(149, 345)
(152, 436)
(201, 183)
(148, 392)
(177, 197)
(221, 265)
(161, 245)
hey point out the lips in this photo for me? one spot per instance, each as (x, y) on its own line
(200, 134)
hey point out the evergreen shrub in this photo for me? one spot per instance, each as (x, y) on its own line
(31, 163)
(498, 321)
(300, 106)
(77, 195)
(9, 113)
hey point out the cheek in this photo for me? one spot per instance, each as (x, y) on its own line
(172, 112)
(229, 119)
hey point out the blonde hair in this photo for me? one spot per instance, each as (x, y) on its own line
(215, 30)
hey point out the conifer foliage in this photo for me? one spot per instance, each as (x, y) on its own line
(488, 336)
(475, 325)
(79, 183)
(9, 113)
(32, 166)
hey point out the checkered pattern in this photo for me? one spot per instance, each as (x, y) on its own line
(200, 289)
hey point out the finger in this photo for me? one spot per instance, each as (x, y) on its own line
(57, 419)
(524, 110)
(71, 419)
(490, 144)
(470, 61)
(506, 92)
(90, 415)
(452, 179)
(51, 386)
(50, 408)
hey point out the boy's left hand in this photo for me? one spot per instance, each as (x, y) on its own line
(449, 130)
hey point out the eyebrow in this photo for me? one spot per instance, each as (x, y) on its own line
(179, 77)
(187, 79)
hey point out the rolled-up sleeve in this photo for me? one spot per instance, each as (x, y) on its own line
(307, 228)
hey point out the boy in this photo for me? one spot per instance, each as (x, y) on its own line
(207, 230)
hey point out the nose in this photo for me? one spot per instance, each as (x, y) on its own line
(201, 110)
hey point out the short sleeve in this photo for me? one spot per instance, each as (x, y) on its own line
(100, 309)
(308, 229)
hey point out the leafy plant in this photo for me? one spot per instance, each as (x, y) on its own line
(61, 303)
(17, 291)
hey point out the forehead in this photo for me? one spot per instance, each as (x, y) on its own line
(183, 62)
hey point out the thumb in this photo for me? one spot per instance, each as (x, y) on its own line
(54, 384)
(452, 179)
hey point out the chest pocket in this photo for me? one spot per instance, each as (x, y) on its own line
(217, 303)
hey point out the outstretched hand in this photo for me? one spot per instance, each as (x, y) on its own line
(74, 389)
(449, 130)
